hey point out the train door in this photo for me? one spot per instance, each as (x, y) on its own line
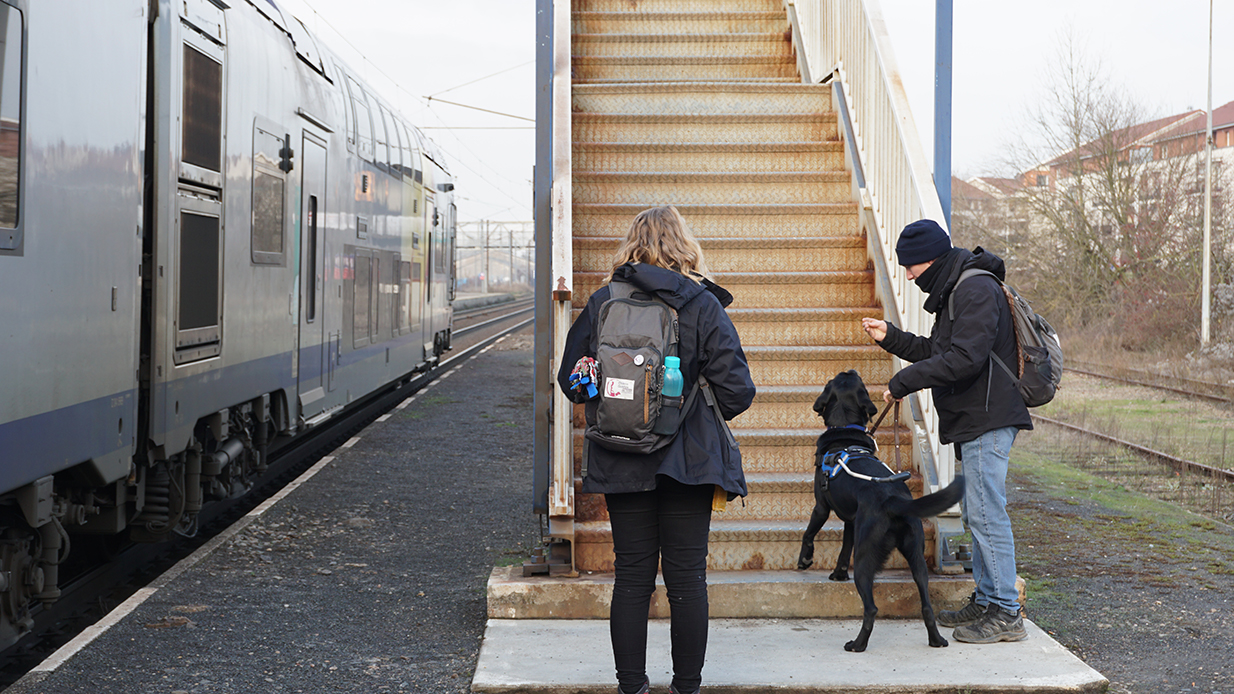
(314, 355)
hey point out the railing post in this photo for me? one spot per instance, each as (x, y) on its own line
(561, 483)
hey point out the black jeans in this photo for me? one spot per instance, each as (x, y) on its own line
(666, 526)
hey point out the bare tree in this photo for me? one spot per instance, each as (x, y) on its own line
(1115, 224)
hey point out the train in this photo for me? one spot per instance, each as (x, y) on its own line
(214, 238)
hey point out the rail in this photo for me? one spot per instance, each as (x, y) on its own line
(845, 43)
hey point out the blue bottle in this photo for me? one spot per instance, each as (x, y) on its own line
(670, 397)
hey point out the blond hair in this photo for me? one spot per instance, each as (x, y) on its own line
(660, 236)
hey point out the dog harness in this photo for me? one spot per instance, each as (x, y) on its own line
(835, 461)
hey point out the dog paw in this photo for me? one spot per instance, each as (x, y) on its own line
(839, 575)
(939, 643)
(804, 563)
(854, 647)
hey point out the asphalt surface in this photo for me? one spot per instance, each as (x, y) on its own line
(369, 578)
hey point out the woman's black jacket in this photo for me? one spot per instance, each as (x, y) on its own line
(708, 344)
(973, 395)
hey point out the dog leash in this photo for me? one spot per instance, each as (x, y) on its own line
(895, 423)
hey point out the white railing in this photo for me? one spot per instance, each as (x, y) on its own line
(561, 472)
(845, 42)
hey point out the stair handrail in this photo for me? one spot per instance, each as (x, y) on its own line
(845, 42)
(554, 294)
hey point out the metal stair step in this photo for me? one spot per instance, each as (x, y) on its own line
(677, 22)
(711, 188)
(731, 128)
(694, 98)
(794, 365)
(705, 68)
(767, 290)
(738, 545)
(757, 254)
(709, 158)
(647, 7)
(793, 449)
(715, 221)
(834, 326)
(667, 44)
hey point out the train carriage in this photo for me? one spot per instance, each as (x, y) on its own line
(213, 238)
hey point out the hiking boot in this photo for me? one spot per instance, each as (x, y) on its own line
(994, 626)
(968, 614)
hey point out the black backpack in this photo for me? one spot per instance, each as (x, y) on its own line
(1040, 353)
(633, 337)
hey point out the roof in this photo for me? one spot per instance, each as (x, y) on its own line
(1141, 134)
(967, 191)
(1223, 117)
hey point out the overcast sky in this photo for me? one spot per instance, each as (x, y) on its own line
(409, 49)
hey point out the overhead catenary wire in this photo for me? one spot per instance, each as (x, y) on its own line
(428, 104)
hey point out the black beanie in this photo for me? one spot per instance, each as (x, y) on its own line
(922, 241)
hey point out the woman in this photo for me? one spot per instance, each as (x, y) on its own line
(660, 503)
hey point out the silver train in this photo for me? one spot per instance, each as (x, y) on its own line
(213, 236)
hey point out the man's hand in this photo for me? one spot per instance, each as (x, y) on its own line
(875, 328)
(887, 398)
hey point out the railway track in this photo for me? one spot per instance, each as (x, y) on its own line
(1204, 390)
(118, 572)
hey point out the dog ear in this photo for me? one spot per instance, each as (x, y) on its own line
(863, 398)
(820, 404)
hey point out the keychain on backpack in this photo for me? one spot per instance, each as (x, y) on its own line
(583, 377)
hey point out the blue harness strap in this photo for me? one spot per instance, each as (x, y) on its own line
(835, 461)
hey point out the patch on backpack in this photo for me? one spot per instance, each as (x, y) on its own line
(619, 388)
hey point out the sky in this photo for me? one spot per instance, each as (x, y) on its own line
(411, 49)
(1157, 51)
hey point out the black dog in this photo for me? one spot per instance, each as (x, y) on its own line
(878, 515)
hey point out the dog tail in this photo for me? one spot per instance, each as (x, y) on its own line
(930, 504)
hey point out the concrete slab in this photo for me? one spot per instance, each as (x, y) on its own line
(735, 594)
(797, 656)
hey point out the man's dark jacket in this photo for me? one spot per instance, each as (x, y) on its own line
(708, 343)
(973, 395)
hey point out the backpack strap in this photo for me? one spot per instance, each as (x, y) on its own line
(973, 272)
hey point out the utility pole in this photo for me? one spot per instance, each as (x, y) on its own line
(1206, 284)
(484, 231)
(942, 105)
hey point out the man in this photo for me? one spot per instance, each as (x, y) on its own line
(979, 409)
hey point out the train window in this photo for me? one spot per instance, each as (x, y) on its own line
(202, 116)
(10, 120)
(404, 294)
(362, 299)
(364, 126)
(269, 199)
(410, 156)
(384, 136)
(395, 145)
(310, 275)
(200, 288)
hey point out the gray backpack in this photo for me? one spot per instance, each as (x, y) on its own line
(634, 336)
(1040, 353)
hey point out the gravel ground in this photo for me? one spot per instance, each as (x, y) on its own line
(1140, 589)
(370, 578)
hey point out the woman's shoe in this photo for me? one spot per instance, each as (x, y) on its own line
(642, 690)
(674, 690)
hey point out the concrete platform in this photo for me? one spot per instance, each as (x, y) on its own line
(733, 594)
(783, 656)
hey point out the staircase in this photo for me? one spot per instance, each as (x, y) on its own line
(698, 104)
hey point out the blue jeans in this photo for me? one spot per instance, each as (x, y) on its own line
(984, 462)
(668, 528)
